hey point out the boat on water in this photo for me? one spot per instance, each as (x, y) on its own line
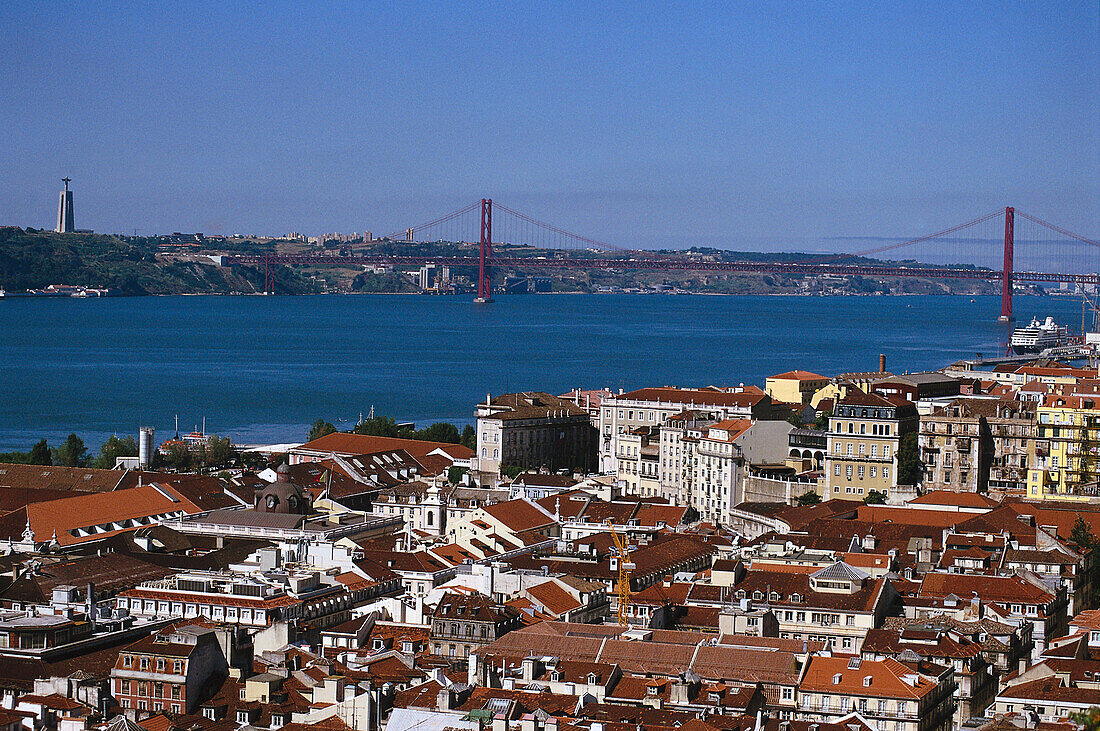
(1038, 336)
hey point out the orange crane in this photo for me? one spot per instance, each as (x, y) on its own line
(622, 588)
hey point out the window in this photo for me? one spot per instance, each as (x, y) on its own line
(848, 471)
(848, 449)
(874, 450)
(836, 470)
(885, 473)
(861, 472)
(127, 661)
(144, 663)
(787, 694)
(177, 667)
(847, 643)
(242, 716)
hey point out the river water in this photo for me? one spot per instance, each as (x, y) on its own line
(260, 369)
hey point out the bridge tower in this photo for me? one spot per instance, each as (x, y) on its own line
(484, 283)
(1006, 274)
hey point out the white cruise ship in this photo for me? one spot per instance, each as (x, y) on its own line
(1038, 336)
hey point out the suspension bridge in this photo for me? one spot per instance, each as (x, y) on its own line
(1028, 250)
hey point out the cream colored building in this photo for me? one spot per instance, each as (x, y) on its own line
(865, 433)
(794, 387)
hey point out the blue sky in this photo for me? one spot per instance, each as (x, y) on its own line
(743, 125)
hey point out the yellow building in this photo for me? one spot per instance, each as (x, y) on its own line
(1065, 459)
(794, 387)
(863, 442)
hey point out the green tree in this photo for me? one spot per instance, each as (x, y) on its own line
(115, 447)
(1087, 720)
(909, 464)
(874, 497)
(380, 426)
(440, 432)
(40, 454)
(219, 451)
(454, 474)
(72, 453)
(511, 471)
(469, 437)
(177, 456)
(822, 420)
(795, 418)
(1082, 534)
(320, 428)
(807, 498)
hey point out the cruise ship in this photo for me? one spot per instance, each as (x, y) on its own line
(1038, 336)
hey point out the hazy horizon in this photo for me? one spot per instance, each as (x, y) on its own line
(635, 126)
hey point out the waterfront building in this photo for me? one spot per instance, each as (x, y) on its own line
(532, 430)
(794, 387)
(865, 432)
(625, 412)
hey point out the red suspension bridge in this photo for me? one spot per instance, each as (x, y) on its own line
(1030, 250)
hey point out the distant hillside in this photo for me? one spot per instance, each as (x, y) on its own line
(34, 259)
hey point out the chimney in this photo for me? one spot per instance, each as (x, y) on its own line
(882, 362)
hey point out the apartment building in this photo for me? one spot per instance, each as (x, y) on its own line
(865, 432)
(891, 695)
(974, 677)
(835, 605)
(794, 387)
(173, 670)
(533, 430)
(1066, 460)
(973, 445)
(625, 412)
(463, 623)
(1019, 599)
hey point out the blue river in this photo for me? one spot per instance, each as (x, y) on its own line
(261, 369)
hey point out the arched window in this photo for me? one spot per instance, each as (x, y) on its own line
(431, 517)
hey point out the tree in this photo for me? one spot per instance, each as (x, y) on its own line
(807, 498)
(511, 471)
(795, 419)
(380, 426)
(177, 456)
(219, 450)
(72, 453)
(909, 464)
(822, 420)
(874, 497)
(40, 454)
(454, 474)
(1082, 534)
(320, 429)
(440, 432)
(469, 437)
(113, 448)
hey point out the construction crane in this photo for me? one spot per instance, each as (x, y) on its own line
(622, 588)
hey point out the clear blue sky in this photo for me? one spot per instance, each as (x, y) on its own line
(634, 123)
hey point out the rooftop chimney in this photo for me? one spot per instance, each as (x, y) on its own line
(882, 362)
